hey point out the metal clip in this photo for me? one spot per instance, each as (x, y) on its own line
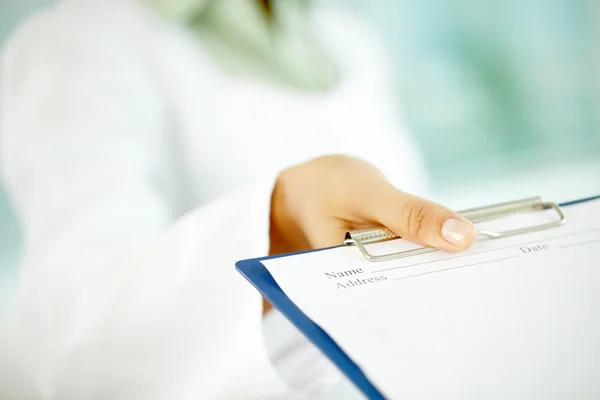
(360, 238)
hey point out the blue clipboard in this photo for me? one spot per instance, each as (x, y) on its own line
(256, 273)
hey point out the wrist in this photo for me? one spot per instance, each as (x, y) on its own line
(286, 234)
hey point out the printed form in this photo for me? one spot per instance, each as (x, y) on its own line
(517, 317)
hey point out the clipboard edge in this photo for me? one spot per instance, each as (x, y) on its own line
(257, 274)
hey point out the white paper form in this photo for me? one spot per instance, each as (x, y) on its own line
(510, 318)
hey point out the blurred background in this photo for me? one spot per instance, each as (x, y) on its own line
(502, 96)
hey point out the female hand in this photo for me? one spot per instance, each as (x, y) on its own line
(315, 203)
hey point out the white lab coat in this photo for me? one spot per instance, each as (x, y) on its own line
(141, 173)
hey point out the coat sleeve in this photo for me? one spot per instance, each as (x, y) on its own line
(115, 300)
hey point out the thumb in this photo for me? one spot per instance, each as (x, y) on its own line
(422, 221)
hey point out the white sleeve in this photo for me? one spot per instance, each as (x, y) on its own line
(115, 301)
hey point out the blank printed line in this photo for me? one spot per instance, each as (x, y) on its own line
(487, 251)
(452, 268)
(578, 244)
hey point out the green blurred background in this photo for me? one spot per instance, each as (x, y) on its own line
(503, 96)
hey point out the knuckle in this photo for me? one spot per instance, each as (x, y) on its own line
(419, 218)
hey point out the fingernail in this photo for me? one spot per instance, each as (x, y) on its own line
(456, 231)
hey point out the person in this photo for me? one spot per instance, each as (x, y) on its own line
(147, 149)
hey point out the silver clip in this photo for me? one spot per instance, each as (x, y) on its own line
(362, 237)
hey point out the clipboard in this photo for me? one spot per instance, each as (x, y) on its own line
(258, 275)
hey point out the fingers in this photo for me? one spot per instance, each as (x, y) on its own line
(423, 221)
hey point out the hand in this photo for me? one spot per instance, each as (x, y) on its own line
(315, 203)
